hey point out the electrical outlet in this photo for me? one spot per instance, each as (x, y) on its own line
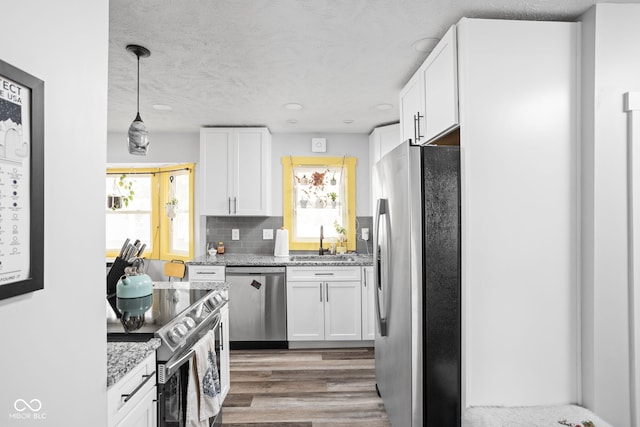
(365, 234)
(267, 234)
(235, 234)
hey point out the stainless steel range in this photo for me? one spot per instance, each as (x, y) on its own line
(180, 315)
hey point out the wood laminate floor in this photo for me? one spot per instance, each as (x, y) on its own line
(303, 388)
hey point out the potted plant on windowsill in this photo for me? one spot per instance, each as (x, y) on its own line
(304, 200)
(333, 197)
(342, 238)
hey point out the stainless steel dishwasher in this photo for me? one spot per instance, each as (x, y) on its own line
(257, 307)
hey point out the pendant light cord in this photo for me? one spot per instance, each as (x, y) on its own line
(138, 98)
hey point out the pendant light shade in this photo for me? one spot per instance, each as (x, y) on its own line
(138, 138)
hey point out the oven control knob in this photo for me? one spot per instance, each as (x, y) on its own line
(189, 322)
(212, 302)
(177, 332)
(173, 336)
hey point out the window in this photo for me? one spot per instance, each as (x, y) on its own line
(154, 205)
(319, 191)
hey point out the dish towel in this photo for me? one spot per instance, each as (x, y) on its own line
(203, 390)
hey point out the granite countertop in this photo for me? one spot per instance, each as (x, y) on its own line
(270, 260)
(122, 357)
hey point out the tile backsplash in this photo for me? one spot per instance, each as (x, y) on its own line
(250, 230)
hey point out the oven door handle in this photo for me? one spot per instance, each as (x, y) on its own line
(172, 367)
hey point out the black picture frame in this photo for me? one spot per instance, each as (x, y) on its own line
(18, 88)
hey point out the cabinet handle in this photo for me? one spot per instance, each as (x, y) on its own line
(415, 129)
(221, 337)
(323, 274)
(326, 284)
(235, 205)
(229, 205)
(364, 281)
(320, 292)
(417, 125)
(127, 397)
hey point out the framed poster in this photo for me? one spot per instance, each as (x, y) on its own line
(21, 182)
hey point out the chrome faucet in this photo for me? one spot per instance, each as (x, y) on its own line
(321, 251)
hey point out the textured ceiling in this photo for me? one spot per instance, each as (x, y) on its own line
(238, 62)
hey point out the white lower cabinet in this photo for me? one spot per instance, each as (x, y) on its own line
(324, 304)
(368, 304)
(225, 367)
(143, 414)
(206, 273)
(132, 400)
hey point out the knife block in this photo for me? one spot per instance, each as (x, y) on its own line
(114, 274)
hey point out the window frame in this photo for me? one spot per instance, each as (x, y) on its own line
(160, 223)
(288, 204)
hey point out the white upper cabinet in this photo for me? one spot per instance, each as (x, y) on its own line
(412, 110)
(440, 80)
(429, 100)
(382, 140)
(235, 171)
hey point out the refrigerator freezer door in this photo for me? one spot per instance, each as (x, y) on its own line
(442, 351)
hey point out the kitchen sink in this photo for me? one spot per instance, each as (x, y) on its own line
(320, 259)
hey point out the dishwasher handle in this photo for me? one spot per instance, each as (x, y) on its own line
(237, 271)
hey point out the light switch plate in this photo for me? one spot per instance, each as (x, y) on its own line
(318, 145)
(267, 234)
(235, 234)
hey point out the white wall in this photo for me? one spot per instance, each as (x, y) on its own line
(184, 147)
(53, 341)
(611, 67)
(299, 144)
(163, 148)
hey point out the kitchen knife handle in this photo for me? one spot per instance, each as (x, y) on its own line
(124, 248)
(142, 248)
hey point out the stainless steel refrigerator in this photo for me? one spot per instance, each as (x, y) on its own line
(417, 274)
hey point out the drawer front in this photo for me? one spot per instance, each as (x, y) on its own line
(323, 273)
(206, 273)
(142, 378)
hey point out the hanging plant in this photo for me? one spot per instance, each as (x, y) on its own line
(171, 205)
(121, 194)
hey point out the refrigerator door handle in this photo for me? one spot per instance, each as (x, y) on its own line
(381, 264)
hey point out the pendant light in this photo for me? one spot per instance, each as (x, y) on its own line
(138, 134)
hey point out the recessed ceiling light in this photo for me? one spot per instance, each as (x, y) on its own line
(293, 106)
(292, 121)
(425, 45)
(347, 122)
(384, 107)
(162, 107)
